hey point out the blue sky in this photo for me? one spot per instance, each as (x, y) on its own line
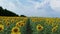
(39, 8)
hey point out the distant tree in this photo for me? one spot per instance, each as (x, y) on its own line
(22, 16)
(5, 12)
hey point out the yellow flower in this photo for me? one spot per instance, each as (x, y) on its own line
(20, 24)
(1, 27)
(8, 24)
(6, 20)
(15, 33)
(15, 30)
(54, 28)
(25, 19)
(40, 19)
(34, 19)
(49, 21)
(1, 22)
(12, 20)
(39, 27)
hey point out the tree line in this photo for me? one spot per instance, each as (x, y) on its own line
(5, 12)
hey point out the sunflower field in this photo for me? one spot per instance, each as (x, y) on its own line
(29, 25)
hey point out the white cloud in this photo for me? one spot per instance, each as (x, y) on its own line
(39, 4)
(22, 9)
(55, 5)
(32, 9)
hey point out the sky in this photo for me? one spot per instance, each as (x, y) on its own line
(39, 8)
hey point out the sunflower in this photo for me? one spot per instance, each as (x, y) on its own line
(34, 19)
(49, 21)
(15, 30)
(1, 27)
(25, 18)
(54, 28)
(40, 19)
(8, 24)
(12, 20)
(6, 20)
(15, 33)
(39, 27)
(19, 24)
(1, 22)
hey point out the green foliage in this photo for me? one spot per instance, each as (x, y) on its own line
(30, 25)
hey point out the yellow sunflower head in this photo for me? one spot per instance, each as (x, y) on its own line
(34, 19)
(25, 19)
(6, 20)
(20, 24)
(15, 33)
(12, 20)
(39, 27)
(1, 27)
(15, 29)
(40, 19)
(54, 28)
(1, 22)
(7, 24)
